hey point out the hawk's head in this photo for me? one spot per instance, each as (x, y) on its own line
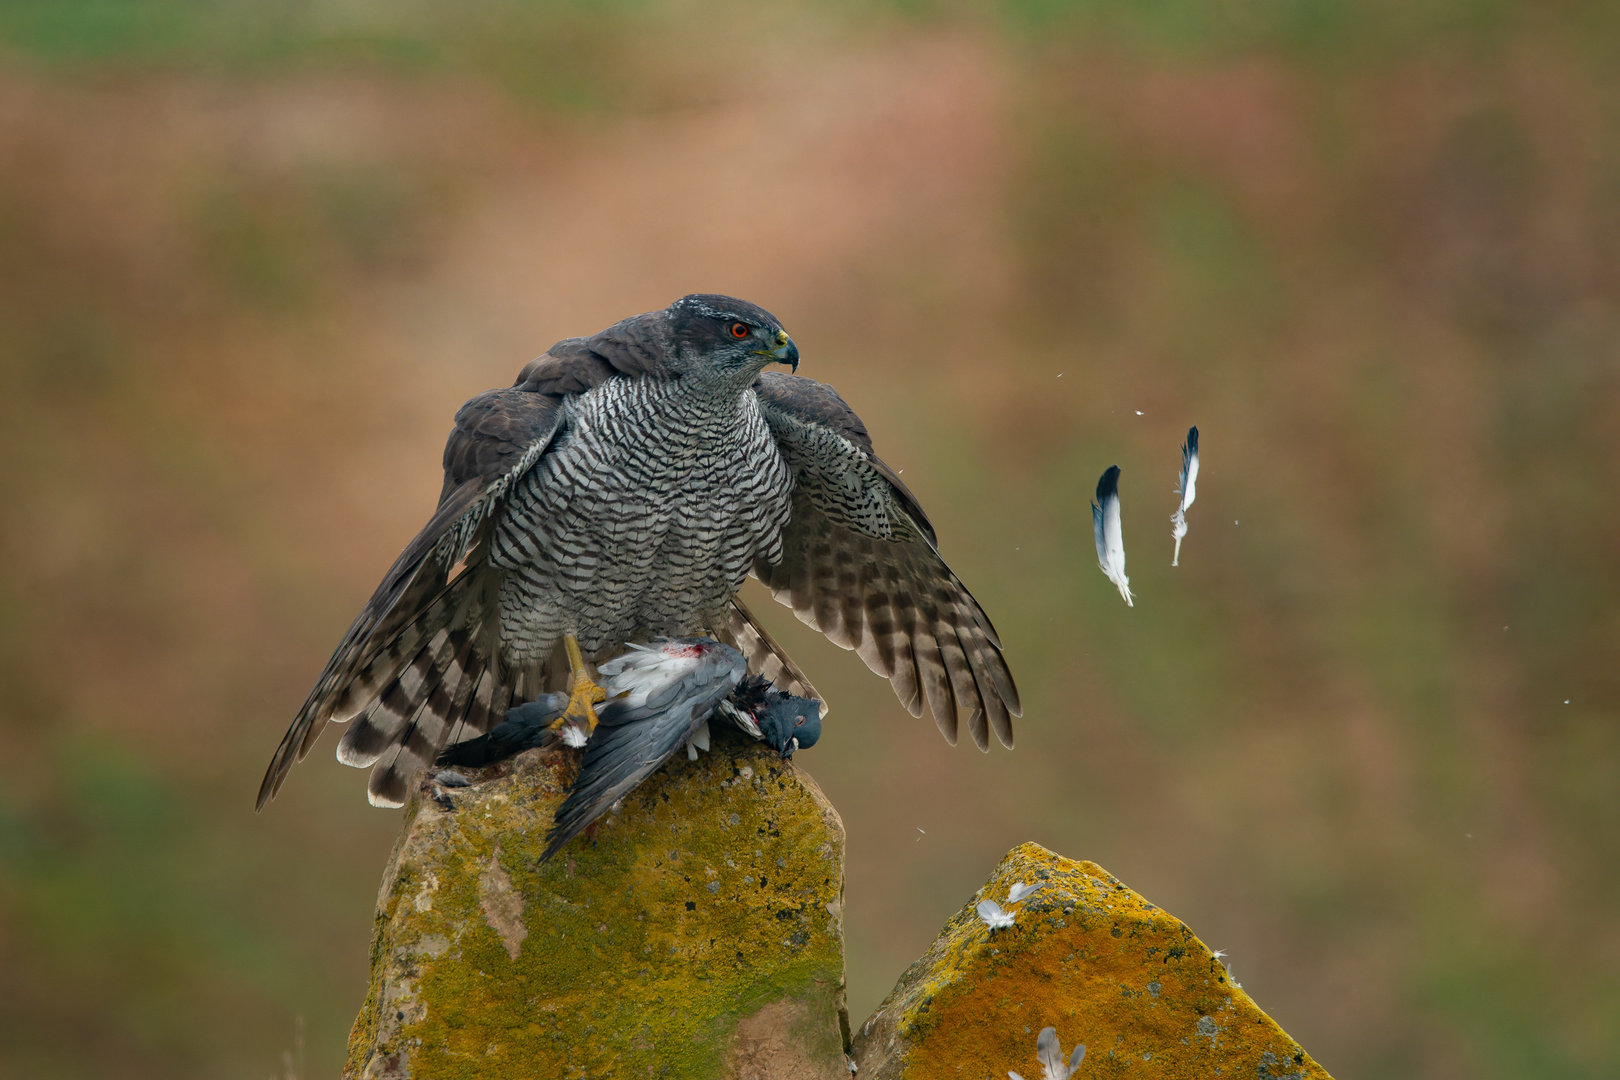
(728, 336)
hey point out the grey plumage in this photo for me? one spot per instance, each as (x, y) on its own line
(526, 727)
(789, 723)
(622, 490)
(660, 698)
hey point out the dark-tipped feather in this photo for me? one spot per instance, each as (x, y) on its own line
(739, 628)
(874, 582)
(525, 727)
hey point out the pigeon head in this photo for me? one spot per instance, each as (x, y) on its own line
(726, 336)
(790, 723)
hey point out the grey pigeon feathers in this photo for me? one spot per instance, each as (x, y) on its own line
(997, 917)
(1018, 892)
(1188, 488)
(1049, 1052)
(993, 915)
(1110, 538)
(661, 698)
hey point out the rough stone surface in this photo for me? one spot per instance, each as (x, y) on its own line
(1090, 957)
(697, 934)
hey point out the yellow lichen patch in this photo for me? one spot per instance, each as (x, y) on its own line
(701, 918)
(1087, 956)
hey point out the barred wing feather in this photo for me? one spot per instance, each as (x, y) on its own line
(420, 663)
(860, 563)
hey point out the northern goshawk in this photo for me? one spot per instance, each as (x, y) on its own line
(622, 490)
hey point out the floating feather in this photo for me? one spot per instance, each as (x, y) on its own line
(1021, 890)
(993, 916)
(1188, 488)
(1110, 538)
(1049, 1051)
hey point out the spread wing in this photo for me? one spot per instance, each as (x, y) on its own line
(498, 435)
(861, 564)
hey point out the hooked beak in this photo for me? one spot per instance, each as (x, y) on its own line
(785, 351)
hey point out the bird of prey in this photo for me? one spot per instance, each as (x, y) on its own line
(622, 490)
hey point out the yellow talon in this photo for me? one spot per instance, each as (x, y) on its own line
(578, 721)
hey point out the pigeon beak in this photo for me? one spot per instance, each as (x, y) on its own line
(793, 744)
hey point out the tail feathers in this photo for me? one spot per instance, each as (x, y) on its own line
(393, 664)
(739, 629)
(467, 692)
(396, 708)
(439, 688)
(385, 637)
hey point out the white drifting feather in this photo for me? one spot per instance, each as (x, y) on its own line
(1049, 1051)
(1110, 537)
(993, 916)
(1188, 487)
(1021, 890)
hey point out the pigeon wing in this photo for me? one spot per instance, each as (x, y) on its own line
(526, 726)
(622, 754)
(649, 680)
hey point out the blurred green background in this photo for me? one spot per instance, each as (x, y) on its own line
(254, 255)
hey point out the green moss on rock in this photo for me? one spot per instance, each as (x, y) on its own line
(697, 934)
(1087, 956)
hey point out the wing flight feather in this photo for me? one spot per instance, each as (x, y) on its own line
(861, 563)
(387, 668)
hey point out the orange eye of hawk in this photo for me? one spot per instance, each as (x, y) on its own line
(739, 330)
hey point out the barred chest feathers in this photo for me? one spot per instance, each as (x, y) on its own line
(646, 514)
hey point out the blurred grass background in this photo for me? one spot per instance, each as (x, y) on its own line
(254, 255)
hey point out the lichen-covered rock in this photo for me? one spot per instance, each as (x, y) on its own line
(1087, 956)
(697, 934)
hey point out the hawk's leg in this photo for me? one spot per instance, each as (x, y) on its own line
(578, 721)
